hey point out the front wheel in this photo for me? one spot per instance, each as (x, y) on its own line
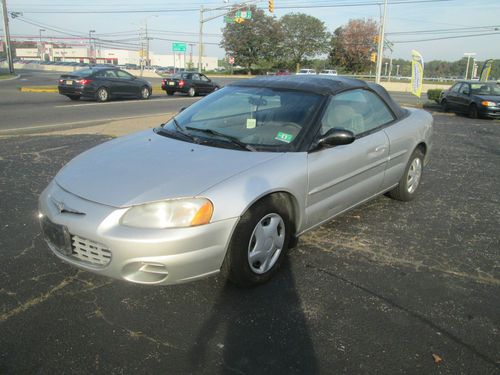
(191, 92)
(258, 243)
(473, 113)
(444, 105)
(145, 93)
(102, 94)
(410, 181)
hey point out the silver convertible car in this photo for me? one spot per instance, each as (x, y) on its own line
(232, 181)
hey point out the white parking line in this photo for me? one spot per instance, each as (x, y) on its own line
(121, 102)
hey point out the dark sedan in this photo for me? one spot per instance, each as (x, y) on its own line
(476, 99)
(191, 83)
(102, 84)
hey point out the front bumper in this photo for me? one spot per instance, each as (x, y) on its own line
(145, 256)
(491, 112)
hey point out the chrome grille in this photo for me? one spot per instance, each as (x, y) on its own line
(90, 251)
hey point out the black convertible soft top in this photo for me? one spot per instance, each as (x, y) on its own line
(322, 85)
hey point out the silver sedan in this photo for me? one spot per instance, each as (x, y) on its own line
(231, 182)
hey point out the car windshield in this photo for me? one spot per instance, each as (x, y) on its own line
(485, 89)
(265, 119)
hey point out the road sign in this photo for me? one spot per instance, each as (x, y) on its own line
(245, 14)
(228, 19)
(178, 47)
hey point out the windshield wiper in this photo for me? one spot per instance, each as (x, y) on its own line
(181, 130)
(231, 139)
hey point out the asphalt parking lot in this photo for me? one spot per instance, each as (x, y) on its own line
(390, 287)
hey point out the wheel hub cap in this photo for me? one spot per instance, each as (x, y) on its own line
(266, 243)
(414, 174)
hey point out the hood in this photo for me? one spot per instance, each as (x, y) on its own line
(146, 167)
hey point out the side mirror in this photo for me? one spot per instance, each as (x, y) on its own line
(336, 137)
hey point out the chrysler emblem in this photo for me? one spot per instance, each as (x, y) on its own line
(61, 206)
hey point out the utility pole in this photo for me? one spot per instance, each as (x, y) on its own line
(6, 32)
(90, 47)
(41, 44)
(468, 55)
(200, 40)
(380, 52)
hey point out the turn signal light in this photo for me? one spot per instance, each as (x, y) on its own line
(487, 103)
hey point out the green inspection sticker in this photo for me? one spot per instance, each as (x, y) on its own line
(284, 137)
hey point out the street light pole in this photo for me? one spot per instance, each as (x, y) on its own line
(41, 44)
(468, 55)
(380, 51)
(200, 41)
(90, 45)
(6, 32)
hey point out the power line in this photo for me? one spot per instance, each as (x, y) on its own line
(443, 38)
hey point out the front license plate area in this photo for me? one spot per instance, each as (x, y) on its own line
(57, 235)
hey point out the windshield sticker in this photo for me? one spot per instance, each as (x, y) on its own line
(251, 123)
(284, 137)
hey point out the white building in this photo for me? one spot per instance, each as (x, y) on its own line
(113, 56)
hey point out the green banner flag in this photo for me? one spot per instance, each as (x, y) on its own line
(485, 72)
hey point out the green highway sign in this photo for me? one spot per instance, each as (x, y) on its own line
(178, 47)
(228, 19)
(246, 14)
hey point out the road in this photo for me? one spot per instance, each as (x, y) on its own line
(38, 111)
(390, 287)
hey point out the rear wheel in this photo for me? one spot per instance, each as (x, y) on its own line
(102, 94)
(145, 93)
(410, 181)
(191, 92)
(473, 111)
(258, 243)
(74, 97)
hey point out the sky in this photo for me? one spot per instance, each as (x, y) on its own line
(179, 21)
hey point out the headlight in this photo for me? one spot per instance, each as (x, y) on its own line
(173, 213)
(487, 103)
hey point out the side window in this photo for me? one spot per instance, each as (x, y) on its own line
(123, 75)
(204, 79)
(196, 77)
(109, 74)
(464, 89)
(356, 110)
(455, 87)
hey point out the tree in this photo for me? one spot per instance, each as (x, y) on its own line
(303, 37)
(252, 41)
(352, 44)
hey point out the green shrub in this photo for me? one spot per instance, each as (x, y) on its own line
(434, 94)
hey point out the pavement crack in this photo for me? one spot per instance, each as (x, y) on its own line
(419, 317)
(29, 248)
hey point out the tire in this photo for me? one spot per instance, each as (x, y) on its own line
(102, 94)
(473, 113)
(216, 88)
(407, 189)
(444, 105)
(170, 93)
(265, 226)
(74, 97)
(145, 93)
(191, 92)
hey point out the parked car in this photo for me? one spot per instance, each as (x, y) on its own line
(102, 84)
(328, 72)
(250, 168)
(283, 72)
(476, 99)
(306, 72)
(191, 83)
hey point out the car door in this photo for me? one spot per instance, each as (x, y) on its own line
(128, 84)
(463, 97)
(343, 176)
(208, 85)
(452, 97)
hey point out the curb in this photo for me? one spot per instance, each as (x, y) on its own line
(10, 79)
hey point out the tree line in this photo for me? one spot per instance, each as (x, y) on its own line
(265, 43)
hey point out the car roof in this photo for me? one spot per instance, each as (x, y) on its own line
(322, 85)
(483, 82)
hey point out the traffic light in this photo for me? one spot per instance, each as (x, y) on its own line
(271, 6)
(373, 57)
(376, 39)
